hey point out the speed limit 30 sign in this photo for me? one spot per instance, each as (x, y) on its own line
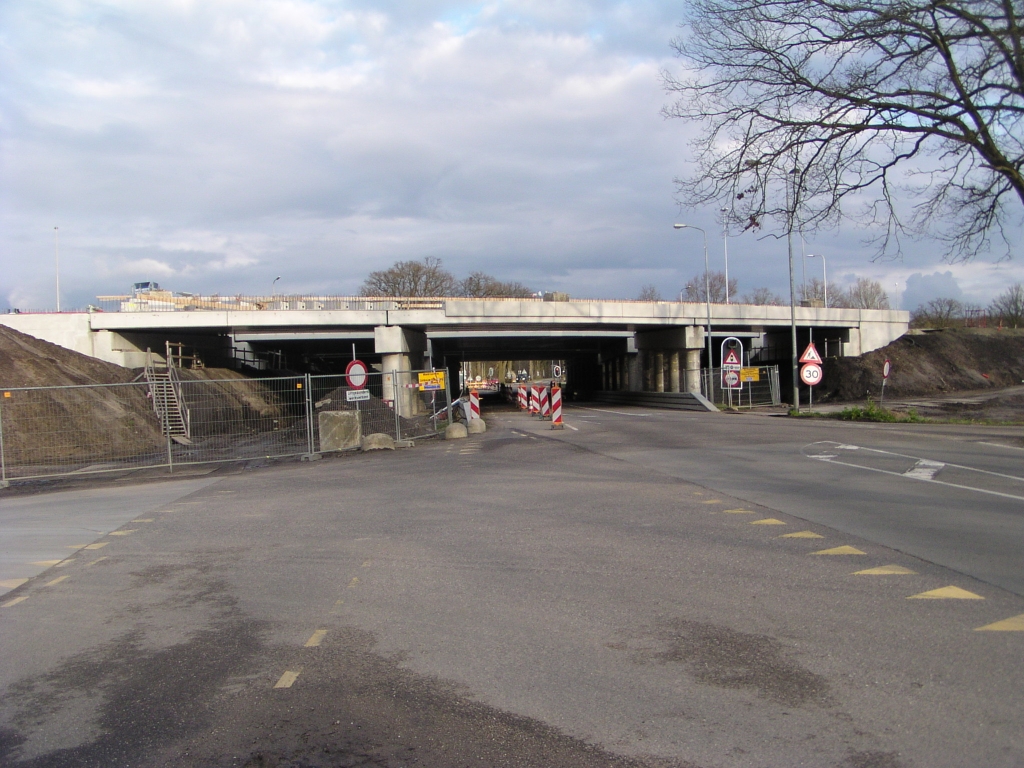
(810, 374)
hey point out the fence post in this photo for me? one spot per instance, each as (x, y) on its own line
(170, 453)
(3, 458)
(394, 395)
(309, 414)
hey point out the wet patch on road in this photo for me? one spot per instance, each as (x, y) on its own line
(726, 658)
(354, 707)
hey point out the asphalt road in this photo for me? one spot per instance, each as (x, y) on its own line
(533, 598)
(950, 494)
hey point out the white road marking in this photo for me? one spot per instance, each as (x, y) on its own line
(925, 469)
(1000, 445)
(922, 476)
(604, 410)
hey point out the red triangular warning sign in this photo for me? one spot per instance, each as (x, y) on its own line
(731, 358)
(810, 355)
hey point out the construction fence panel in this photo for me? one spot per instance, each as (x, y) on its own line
(54, 431)
(764, 391)
(76, 429)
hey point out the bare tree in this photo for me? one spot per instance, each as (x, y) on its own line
(694, 290)
(1009, 306)
(481, 286)
(814, 291)
(864, 294)
(411, 278)
(649, 293)
(841, 101)
(938, 313)
(763, 297)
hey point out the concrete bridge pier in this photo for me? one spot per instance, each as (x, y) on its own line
(401, 350)
(665, 349)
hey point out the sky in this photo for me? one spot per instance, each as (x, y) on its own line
(214, 145)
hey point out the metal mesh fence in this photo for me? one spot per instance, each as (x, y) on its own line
(52, 431)
(759, 386)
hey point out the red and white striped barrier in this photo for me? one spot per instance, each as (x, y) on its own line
(545, 403)
(556, 408)
(523, 399)
(474, 404)
(534, 400)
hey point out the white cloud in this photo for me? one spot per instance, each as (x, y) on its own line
(219, 144)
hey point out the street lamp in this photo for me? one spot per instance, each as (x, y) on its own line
(725, 242)
(273, 284)
(56, 259)
(824, 272)
(707, 292)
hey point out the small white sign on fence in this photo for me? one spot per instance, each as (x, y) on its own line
(357, 394)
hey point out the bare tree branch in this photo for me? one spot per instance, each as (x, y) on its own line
(875, 104)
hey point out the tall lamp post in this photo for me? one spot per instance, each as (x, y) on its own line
(273, 285)
(707, 292)
(725, 244)
(791, 212)
(824, 272)
(56, 260)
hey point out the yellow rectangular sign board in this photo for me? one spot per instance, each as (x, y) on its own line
(432, 381)
(750, 374)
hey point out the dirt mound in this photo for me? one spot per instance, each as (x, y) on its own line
(75, 420)
(930, 363)
(26, 361)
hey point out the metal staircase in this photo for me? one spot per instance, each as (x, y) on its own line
(168, 402)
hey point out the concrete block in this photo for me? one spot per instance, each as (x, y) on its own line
(476, 427)
(405, 444)
(340, 430)
(378, 441)
(455, 432)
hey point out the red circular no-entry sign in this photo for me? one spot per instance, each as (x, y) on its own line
(357, 374)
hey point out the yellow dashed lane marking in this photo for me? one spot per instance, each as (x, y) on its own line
(15, 601)
(1012, 624)
(288, 678)
(123, 533)
(337, 605)
(739, 511)
(712, 501)
(143, 520)
(46, 563)
(97, 560)
(367, 563)
(354, 582)
(802, 535)
(767, 521)
(12, 583)
(316, 638)
(58, 580)
(99, 545)
(946, 593)
(886, 570)
(843, 550)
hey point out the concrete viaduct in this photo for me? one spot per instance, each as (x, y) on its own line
(608, 345)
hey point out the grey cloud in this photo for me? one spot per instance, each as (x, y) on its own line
(923, 288)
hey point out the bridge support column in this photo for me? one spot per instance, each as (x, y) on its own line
(673, 372)
(692, 375)
(401, 349)
(659, 372)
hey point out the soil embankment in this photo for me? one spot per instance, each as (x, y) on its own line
(985, 365)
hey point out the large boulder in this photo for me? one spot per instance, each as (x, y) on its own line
(476, 426)
(455, 432)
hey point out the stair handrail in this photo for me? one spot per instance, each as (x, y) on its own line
(179, 398)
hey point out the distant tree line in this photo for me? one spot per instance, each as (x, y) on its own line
(864, 294)
(428, 278)
(1006, 310)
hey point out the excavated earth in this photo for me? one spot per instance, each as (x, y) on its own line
(962, 373)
